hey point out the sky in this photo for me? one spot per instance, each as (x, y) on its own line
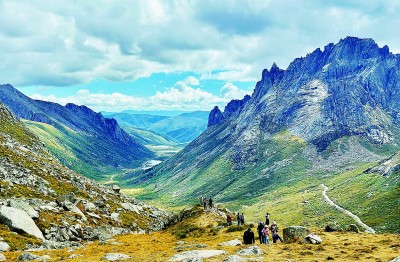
(171, 55)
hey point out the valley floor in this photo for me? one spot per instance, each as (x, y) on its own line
(203, 229)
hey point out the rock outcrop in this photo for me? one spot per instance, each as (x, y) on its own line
(295, 234)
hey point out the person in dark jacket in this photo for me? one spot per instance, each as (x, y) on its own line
(259, 230)
(248, 237)
(210, 203)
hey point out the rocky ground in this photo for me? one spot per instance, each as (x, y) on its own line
(208, 239)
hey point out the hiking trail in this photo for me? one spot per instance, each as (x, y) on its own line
(347, 212)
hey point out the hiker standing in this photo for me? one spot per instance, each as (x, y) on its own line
(267, 219)
(204, 203)
(229, 219)
(265, 234)
(238, 218)
(260, 227)
(210, 202)
(248, 237)
(275, 234)
(201, 201)
(242, 219)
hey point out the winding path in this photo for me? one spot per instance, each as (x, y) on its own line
(347, 212)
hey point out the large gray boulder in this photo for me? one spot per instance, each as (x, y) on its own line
(231, 243)
(194, 254)
(295, 234)
(19, 221)
(4, 246)
(313, 239)
(353, 228)
(67, 205)
(397, 259)
(115, 257)
(26, 256)
(250, 251)
(23, 205)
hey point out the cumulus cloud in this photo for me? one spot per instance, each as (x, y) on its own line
(62, 43)
(184, 95)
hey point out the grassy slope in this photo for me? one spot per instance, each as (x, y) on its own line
(147, 137)
(278, 184)
(159, 246)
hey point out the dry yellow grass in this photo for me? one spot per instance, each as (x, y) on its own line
(159, 246)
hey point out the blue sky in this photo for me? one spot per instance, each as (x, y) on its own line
(171, 55)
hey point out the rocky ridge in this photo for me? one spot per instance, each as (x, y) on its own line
(56, 205)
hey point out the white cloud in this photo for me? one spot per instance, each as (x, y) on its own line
(63, 43)
(181, 96)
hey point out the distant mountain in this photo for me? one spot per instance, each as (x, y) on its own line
(331, 117)
(82, 139)
(182, 128)
(43, 203)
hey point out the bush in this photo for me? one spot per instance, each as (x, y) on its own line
(235, 228)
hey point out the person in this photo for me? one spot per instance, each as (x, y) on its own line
(328, 228)
(248, 236)
(210, 203)
(201, 200)
(242, 219)
(267, 219)
(260, 227)
(275, 235)
(204, 203)
(238, 218)
(229, 219)
(265, 234)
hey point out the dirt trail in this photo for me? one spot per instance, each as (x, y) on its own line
(347, 212)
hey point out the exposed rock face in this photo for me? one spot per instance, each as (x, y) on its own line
(250, 251)
(19, 221)
(232, 108)
(295, 234)
(115, 257)
(313, 239)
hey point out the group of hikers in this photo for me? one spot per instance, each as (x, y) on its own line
(263, 230)
(203, 202)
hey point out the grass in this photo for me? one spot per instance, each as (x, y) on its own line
(161, 246)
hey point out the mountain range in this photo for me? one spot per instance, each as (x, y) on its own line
(331, 117)
(176, 129)
(82, 139)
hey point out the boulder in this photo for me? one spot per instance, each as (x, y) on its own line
(67, 205)
(23, 205)
(313, 239)
(19, 221)
(194, 254)
(115, 257)
(353, 228)
(4, 247)
(28, 256)
(250, 251)
(397, 259)
(235, 258)
(2, 257)
(295, 234)
(132, 207)
(70, 197)
(231, 243)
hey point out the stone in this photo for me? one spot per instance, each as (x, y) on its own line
(313, 239)
(19, 221)
(295, 234)
(4, 247)
(235, 258)
(132, 207)
(250, 251)
(116, 189)
(45, 258)
(231, 243)
(28, 256)
(115, 257)
(184, 256)
(181, 248)
(397, 259)
(2, 257)
(71, 207)
(73, 256)
(23, 205)
(353, 228)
